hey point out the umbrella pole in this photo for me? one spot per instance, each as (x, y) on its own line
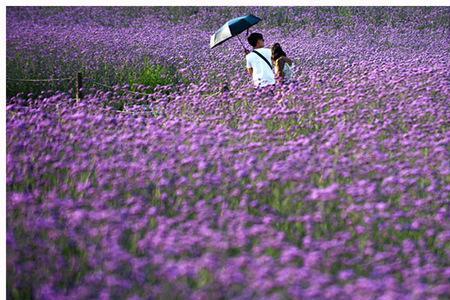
(241, 42)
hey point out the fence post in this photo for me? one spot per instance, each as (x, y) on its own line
(79, 85)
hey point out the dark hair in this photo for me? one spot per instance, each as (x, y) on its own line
(254, 37)
(277, 51)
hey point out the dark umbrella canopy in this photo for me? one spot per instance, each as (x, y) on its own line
(232, 28)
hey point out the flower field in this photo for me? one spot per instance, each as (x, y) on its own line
(157, 185)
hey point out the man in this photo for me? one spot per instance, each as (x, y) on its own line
(259, 64)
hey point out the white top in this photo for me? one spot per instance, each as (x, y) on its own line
(287, 71)
(262, 74)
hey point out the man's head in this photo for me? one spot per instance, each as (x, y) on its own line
(256, 40)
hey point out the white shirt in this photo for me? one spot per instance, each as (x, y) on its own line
(262, 74)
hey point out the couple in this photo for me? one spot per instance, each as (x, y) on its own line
(261, 60)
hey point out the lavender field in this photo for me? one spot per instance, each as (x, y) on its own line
(157, 185)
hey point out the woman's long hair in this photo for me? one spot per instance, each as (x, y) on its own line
(277, 52)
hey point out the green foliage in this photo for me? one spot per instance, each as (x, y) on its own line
(152, 75)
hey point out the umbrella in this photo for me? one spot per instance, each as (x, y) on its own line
(233, 28)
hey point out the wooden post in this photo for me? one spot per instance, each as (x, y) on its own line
(79, 85)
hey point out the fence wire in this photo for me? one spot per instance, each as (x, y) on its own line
(39, 80)
(72, 79)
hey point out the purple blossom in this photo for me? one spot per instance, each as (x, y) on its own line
(332, 186)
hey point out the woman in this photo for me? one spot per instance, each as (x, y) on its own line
(282, 63)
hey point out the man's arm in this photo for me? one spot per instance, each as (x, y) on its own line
(248, 64)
